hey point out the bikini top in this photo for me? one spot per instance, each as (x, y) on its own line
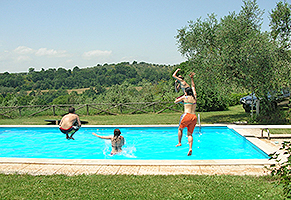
(189, 102)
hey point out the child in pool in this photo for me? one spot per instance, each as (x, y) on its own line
(117, 141)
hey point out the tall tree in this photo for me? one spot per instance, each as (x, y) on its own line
(232, 52)
(280, 24)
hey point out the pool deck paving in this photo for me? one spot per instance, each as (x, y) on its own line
(163, 167)
(70, 170)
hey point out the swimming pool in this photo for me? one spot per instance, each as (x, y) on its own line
(142, 143)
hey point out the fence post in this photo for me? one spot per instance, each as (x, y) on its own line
(87, 109)
(19, 108)
(120, 108)
(54, 110)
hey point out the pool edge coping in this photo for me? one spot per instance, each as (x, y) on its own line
(45, 161)
(238, 128)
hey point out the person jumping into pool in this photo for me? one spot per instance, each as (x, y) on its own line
(188, 118)
(70, 123)
(117, 141)
(180, 83)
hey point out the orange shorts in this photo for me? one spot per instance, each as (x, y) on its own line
(188, 120)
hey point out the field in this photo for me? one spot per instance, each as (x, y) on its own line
(235, 113)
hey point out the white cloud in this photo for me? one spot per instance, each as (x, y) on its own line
(23, 58)
(96, 53)
(40, 52)
(50, 52)
(23, 50)
(69, 61)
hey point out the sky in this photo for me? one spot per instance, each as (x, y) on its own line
(67, 33)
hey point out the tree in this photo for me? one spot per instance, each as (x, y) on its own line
(280, 24)
(232, 53)
(31, 70)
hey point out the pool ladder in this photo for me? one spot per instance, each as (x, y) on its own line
(262, 133)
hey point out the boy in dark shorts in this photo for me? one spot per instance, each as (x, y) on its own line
(70, 123)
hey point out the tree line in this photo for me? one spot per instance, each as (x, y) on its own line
(98, 76)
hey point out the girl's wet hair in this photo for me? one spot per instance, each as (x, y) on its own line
(117, 133)
(189, 92)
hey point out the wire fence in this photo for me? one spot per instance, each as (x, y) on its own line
(91, 109)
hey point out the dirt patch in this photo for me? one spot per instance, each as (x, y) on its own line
(79, 91)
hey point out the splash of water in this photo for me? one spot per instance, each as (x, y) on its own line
(127, 151)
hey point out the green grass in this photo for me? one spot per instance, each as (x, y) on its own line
(235, 113)
(280, 131)
(137, 187)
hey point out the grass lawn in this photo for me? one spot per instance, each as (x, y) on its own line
(235, 113)
(280, 131)
(138, 187)
(16, 186)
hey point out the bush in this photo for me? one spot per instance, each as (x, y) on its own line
(271, 114)
(211, 100)
(283, 167)
(277, 117)
(233, 99)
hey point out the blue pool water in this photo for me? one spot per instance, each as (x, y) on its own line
(142, 143)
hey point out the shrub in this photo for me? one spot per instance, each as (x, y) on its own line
(283, 167)
(211, 100)
(270, 113)
(233, 99)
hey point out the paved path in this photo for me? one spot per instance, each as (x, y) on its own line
(50, 169)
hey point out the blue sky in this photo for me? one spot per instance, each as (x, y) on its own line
(84, 33)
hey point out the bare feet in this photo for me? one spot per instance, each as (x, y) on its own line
(69, 137)
(190, 152)
(178, 145)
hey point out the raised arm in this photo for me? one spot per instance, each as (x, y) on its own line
(175, 75)
(102, 137)
(193, 84)
(180, 99)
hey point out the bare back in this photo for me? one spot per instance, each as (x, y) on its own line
(117, 144)
(69, 120)
(189, 105)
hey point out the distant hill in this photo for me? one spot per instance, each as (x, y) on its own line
(81, 78)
